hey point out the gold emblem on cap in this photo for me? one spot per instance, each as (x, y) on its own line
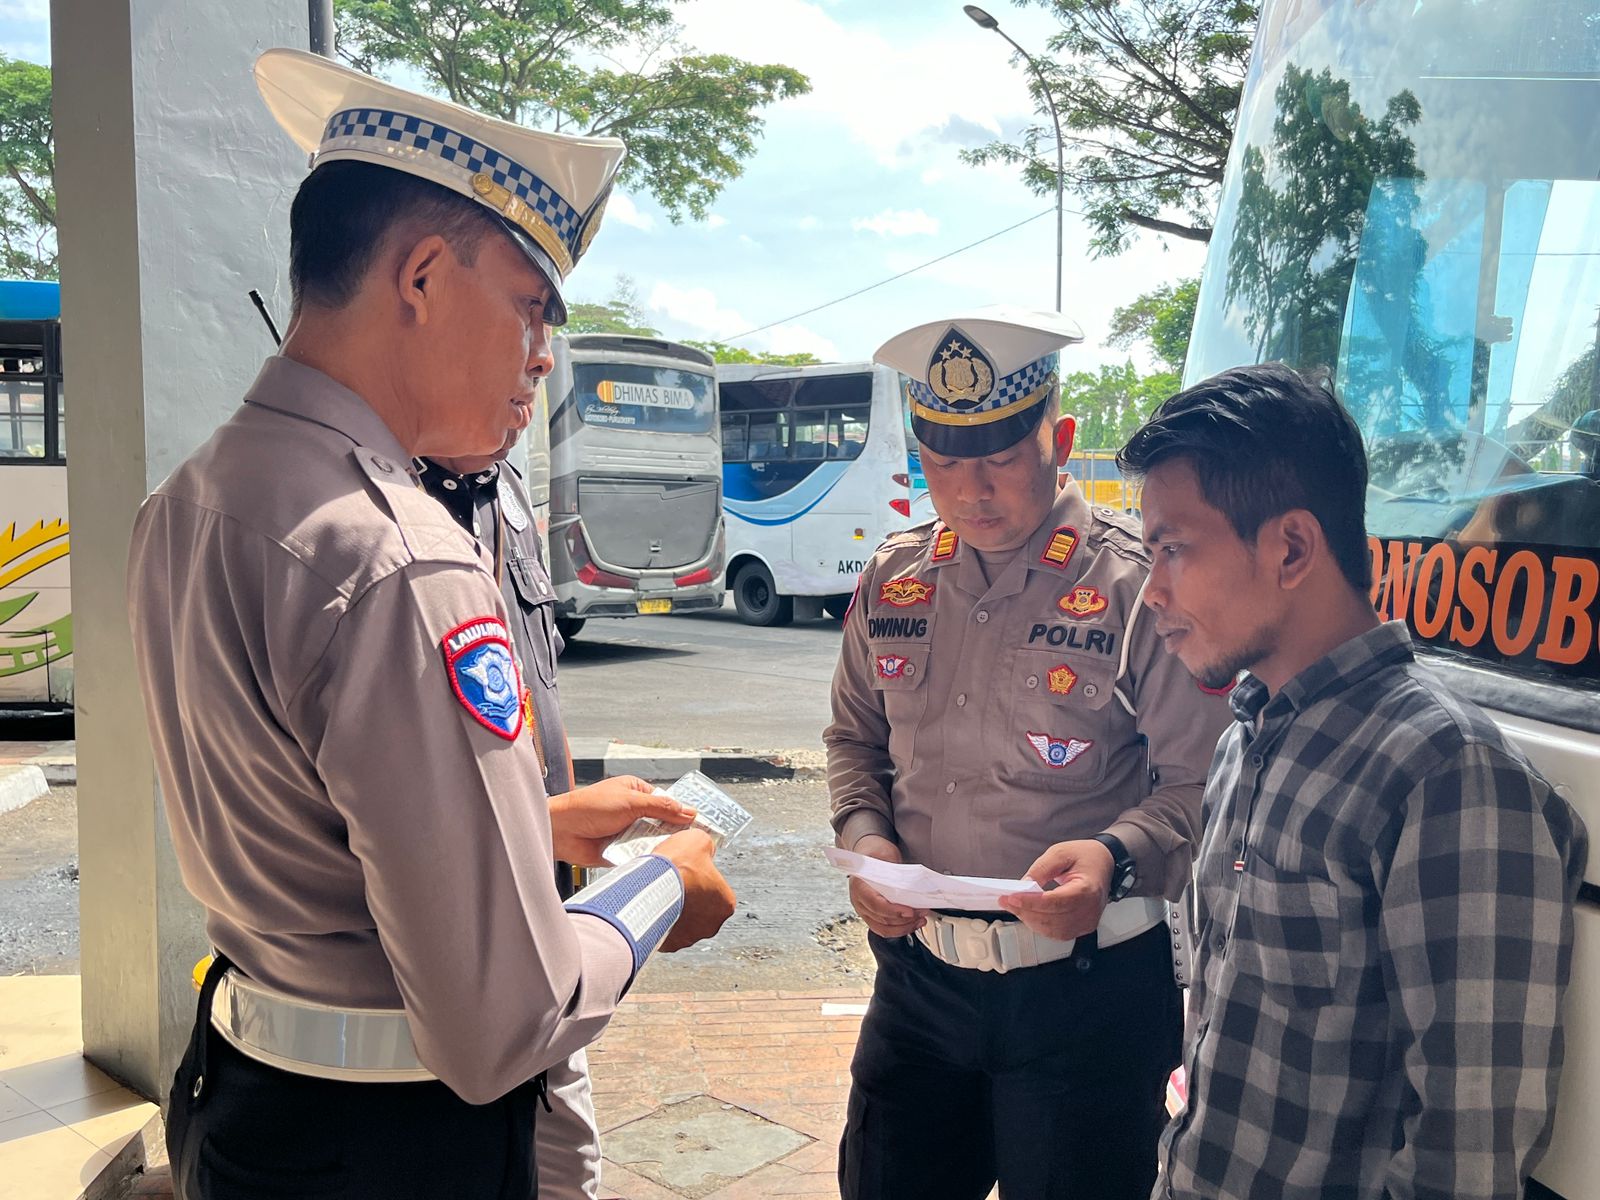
(514, 209)
(959, 376)
(592, 225)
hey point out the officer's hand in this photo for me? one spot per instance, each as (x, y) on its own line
(707, 899)
(1082, 871)
(883, 916)
(584, 821)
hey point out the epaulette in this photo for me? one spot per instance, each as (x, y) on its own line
(1122, 533)
(918, 535)
(427, 530)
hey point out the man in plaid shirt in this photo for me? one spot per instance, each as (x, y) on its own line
(1385, 885)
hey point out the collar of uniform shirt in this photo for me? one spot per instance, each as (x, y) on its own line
(296, 390)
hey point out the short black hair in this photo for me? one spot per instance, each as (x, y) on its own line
(346, 210)
(1264, 440)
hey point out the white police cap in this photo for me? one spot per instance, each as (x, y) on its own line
(548, 189)
(978, 381)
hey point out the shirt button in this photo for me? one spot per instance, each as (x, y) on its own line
(1090, 690)
(961, 700)
(1033, 681)
(983, 616)
(449, 485)
(1222, 944)
(1238, 847)
(910, 670)
(949, 789)
(1256, 760)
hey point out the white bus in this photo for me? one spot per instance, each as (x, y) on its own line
(814, 477)
(635, 479)
(1412, 204)
(35, 536)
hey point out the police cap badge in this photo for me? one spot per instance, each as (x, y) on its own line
(980, 382)
(547, 189)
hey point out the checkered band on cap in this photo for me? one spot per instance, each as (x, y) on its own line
(386, 132)
(1011, 389)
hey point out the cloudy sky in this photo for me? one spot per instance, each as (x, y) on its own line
(852, 184)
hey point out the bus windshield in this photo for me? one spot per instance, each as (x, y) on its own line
(644, 397)
(1412, 207)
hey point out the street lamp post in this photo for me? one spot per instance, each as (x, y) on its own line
(984, 21)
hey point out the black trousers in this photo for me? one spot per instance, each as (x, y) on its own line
(1049, 1079)
(240, 1130)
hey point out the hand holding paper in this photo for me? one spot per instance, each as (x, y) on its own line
(916, 886)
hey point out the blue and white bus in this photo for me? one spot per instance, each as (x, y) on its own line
(814, 477)
(1412, 206)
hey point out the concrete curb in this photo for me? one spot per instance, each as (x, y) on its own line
(20, 785)
(594, 759)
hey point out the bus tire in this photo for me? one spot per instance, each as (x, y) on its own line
(568, 627)
(837, 606)
(756, 597)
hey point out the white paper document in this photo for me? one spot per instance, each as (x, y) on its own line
(916, 886)
(718, 813)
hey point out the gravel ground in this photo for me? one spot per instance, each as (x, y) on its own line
(39, 886)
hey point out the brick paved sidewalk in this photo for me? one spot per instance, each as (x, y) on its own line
(782, 1056)
(745, 1090)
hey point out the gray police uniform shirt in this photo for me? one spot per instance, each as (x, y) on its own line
(478, 502)
(978, 723)
(363, 829)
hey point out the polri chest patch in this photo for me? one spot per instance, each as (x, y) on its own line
(904, 592)
(483, 675)
(894, 666)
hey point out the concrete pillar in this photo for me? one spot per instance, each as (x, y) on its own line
(173, 187)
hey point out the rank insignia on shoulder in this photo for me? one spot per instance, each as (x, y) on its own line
(1083, 602)
(1058, 550)
(1057, 752)
(905, 592)
(945, 542)
(1061, 680)
(483, 675)
(894, 666)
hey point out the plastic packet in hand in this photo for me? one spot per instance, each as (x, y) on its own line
(719, 814)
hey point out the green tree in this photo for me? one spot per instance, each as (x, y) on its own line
(1111, 403)
(27, 171)
(1148, 92)
(620, 314)
(690, 120)
(1163, 319)
(724, 353)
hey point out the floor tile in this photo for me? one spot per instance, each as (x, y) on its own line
(57, 1080)
(106, 1119)
(55, 1164)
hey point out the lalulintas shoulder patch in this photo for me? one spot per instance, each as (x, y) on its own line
(483, 674)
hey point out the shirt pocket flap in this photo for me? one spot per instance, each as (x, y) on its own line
(898, 668)
(533, 588)
(1063, 679)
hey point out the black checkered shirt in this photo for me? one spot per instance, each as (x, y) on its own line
(1385, 893)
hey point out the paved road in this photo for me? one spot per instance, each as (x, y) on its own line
(793, 931)
(700, 681)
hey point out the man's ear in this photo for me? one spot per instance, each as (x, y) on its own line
(418, 275)
(1297, 542)
(1066, 434)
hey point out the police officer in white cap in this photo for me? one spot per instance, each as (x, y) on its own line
(336, 706)
(999, 711)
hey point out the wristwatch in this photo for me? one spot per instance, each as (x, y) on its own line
(1123, 873)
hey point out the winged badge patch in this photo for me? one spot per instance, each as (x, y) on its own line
(1057, 752)
(892, 666)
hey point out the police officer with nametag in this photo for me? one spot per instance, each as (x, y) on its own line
(1000, 710)
(335, 704)
(486, 497)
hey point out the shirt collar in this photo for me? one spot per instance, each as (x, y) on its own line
(1342, 668)
(1070, 510)
(296, 390)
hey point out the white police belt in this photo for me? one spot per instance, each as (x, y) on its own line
(359, 1045)
(1002, 946)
